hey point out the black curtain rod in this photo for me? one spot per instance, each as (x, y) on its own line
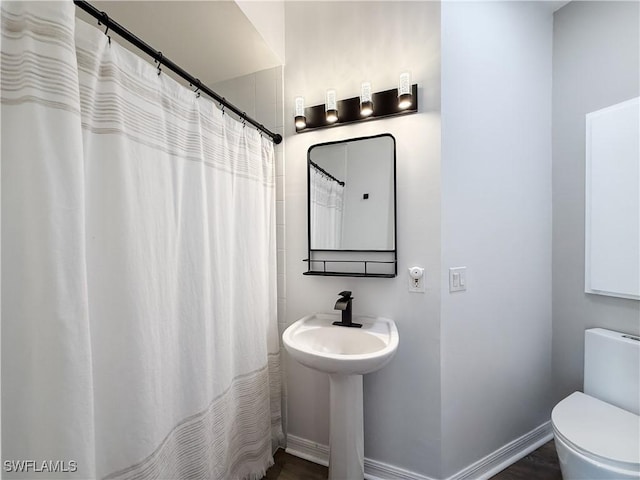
(325, 173)
(103, 18)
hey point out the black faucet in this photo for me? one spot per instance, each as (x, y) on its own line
(344, 304)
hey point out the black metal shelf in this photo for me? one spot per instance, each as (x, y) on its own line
(346, 274)
(330, 273)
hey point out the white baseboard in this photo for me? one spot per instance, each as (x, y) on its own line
(373, 469)
(502, 458)
(483, 469)
(312, 451)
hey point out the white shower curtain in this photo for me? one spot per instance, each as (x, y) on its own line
(139, 333)
(326, 211)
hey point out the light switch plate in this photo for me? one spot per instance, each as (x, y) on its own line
(457, 279)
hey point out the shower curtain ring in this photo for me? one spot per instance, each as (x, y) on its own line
(222, 104)
(106, 22)
(197, 90)
(159, 62)
(244, 119)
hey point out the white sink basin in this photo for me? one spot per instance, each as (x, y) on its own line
(316, 343)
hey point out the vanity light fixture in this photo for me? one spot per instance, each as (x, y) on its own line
(405, 98)
(331, 107)
(366, 104)
(301, 121)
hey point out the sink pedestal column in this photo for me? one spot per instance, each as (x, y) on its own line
(346, 430)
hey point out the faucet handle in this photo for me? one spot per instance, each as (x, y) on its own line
(346, 294)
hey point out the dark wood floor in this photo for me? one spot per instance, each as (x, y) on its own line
(288, 467)
(541, 464)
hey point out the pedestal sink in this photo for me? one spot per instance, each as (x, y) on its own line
(345, 354)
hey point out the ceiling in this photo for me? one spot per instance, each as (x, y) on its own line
(557, 4)
(212, 40)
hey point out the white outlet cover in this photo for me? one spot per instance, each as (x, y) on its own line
(416, 279)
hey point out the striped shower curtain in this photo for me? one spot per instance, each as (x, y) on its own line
(139, 333)
(326, 205)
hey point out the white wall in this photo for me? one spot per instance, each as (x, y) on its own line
(368, 223)
(268, 19)
(339, 45)
(596, 63)
(259, 95)
(496, 221)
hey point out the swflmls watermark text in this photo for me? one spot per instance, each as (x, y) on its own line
(40, 466)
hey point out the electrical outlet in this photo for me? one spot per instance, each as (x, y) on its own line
(416, 279)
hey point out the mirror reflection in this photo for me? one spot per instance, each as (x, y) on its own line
(352, 194)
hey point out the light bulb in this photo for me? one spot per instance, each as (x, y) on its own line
(405, 98)
(300, 120)
(331, 107)
(366, 105)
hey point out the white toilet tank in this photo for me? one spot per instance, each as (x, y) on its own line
(612, 368)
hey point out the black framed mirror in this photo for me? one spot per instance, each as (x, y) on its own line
(351, 207)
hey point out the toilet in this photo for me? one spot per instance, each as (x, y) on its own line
(597, 433)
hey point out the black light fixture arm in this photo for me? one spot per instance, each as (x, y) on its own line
(114, 26)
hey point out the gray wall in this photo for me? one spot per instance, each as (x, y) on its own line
(496, 221)
(596, 54)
